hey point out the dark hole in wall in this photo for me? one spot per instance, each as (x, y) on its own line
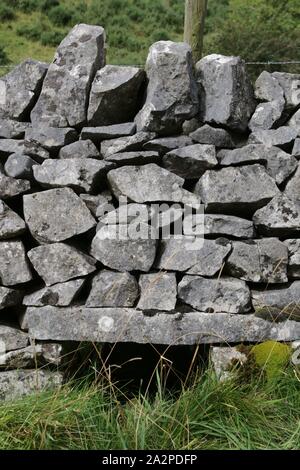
(144, 367)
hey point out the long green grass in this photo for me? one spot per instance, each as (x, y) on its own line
(249, 414)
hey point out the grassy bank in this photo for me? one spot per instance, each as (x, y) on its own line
(249, 414)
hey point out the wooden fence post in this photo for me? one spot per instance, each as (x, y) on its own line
(195, 12)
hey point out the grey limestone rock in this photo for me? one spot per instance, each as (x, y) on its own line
(279, 164)
(10, 129)
(125, 144)
(102, 202)
(12, 338)
(263, 260)
(281, 217)
(226, 93)
(293, 246)
(266, 115)
(172, 91)
(99, 133)
(79, 149)
(282, 137)
(11, 224)
(166, 144)
(215, 295)
(14, 267)
(116, 248)
(81, 174)
(228, 225)
(213, 136)
(268, 88)
(158, 291)
(290, 83)
(225, 361)
(203, 257)
(192, 161)
(60, 262)
(51, 138)
(152, 183)
(134, 158)
(15, 384)
(9, 297)
(294, 122)
(278, 304)
(115, 95)
(112, 289)
(296, 149)
(20, 88)
(56, 215)
(61, 294)
(129, 325)
(236, 189)
(19, 166)
(9, 146)
(64, 97)
(10, 187)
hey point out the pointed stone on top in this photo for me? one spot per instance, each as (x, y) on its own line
(64, 98)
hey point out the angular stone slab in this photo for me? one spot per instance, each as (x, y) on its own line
(14, 267)
(20, 88)
(290, 83)
(60, 262)
(36, 151)
(115, 95)
(281, 303)
(9, 146)
(11, 187)
(56, 215)
(12, 338)
(185, 254)
(281, 217)
(64, 98)
(294, 122)
(282, 137)
(227, 295)
(212, 136)
(102, 202)
(253, 188)
(80, 149)
(292, 189)
(61, 294)
(226, 93)
(9, 297)
(152, 183)
(227, 225)
(293, 246)
(15, 384)
(166, 144)
(11, 224)
(31, 356)
(125, 144)
(268, 88)
(10, 129)
(262, 260)
(51, 138)
(113, 247)
(134, 158)
(192, 161)
(19, 166)
(81, 174)
(266, 115)
(111, 289)
(158, 291)
(172, 90)
(113, 325)
(97, 134)
(279, 164)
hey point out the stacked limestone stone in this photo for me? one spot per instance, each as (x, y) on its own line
(76, 136)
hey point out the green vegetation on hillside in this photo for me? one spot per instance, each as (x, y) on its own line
(249, 414)
(257, 30)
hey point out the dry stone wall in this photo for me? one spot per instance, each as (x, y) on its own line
(78, 138)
